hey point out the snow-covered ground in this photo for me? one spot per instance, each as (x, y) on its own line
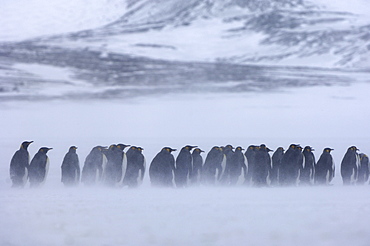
(320, 116)
(201, 216)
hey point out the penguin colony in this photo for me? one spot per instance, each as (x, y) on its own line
(114, 167)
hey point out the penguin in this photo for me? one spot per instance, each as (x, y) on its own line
(363, 171)
(308, 167)
(349, 166)
(299, 167)
(162, 168)
(238, 168)
(213, 166)
(184, 166)
(325, 168)
(71, 168)
(19, 166)
(228, 151)
(197, 166)
(276, 163)
(136, 166)
(122, 168)
(94, 166)
(262, 166)
(39, 167)
(291, 164)
(250, 154)
(113, 171)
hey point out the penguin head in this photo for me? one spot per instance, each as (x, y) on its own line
(263, 147)
(239, 148)
(198, 150)
(252, 147)
(280, 149)
(229, 146)
(122, 146)
(189, 147)
(353, 148)
(140, 149)
(168, 149)
(112, 147)
(73, 148)
(328, 150)
(25, 144)
(44, 149)
(294, 146)
(100, 148)
(308, 149)
(362, 156)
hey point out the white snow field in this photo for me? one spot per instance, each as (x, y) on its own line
(53, 215)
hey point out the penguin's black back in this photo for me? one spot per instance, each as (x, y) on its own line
(363, 172)
(18, 167)
(348, 166)
(93, 166)
(37, 168)
(184, 166)
(161, 168)
(71, 168)
(135, 163)
(324, 168)
(276, 164)
(197, 165)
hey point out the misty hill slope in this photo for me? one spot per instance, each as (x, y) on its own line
(289, 32)
(159, 46)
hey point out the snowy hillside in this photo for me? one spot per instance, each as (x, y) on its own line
(290, 32)
(124, 49)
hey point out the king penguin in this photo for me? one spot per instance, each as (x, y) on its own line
(113, 170)
(349, 166)
(94, 166)
(291, 165)
(39, 167)
(162, 168)
(197, 166)
(228, 151)
(262, 167)
(250, 154)
(325, 168)
(308, 166)
(238, 168)
(136, 166)
(363, 171)
(19, 166)
(71, 168)
(213, 166)
(122, 168)
(184, 166)
(276, 163)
